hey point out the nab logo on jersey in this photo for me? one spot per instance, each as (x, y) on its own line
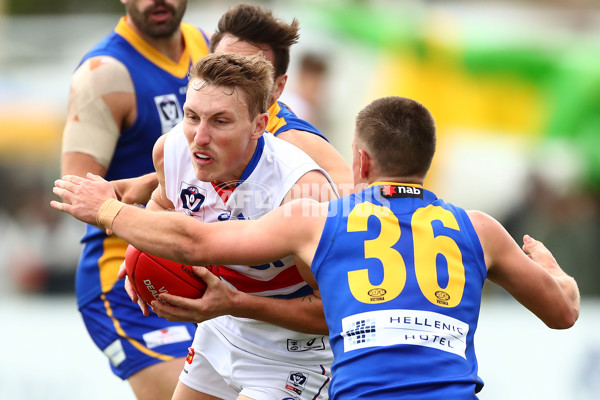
(169, 111)
(191, 198)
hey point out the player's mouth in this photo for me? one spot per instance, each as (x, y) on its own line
(160, 14)
(202, 158)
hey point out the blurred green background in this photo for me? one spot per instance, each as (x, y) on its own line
(515, 90)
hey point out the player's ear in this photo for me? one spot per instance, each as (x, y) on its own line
(365, 163)
(278, 86)
(261, 121)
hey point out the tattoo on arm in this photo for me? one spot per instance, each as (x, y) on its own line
(308, 298)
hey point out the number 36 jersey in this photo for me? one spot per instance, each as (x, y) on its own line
(400, 273)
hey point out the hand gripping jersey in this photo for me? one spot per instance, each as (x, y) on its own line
(400, 273)
(275, 167)
(160, 87)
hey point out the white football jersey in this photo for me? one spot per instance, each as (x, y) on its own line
(274, 169)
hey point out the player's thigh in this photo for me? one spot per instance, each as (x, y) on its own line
(131, 341)
(184, 392)
(158, 381)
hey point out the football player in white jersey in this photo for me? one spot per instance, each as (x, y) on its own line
(271, 344)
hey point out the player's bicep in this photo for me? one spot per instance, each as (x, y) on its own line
(101, 103)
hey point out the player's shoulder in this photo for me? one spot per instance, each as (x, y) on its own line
(103, 63)
(105, 72)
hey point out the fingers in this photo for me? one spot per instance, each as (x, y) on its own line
(176, 301)
(61, 192)
(537, 251)
(65, 187)
(122, 271)
(529, 243)
(130, 291)
(207, 276)
(168, 311)
(58, 205)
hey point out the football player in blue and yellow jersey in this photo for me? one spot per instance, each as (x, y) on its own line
(400, 271)
(127, 91)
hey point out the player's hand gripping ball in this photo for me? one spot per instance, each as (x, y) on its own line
(150, 275)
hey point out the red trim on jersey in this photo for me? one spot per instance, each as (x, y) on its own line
(286, 278)
(223, 193)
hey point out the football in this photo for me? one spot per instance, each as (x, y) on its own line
(150, 275)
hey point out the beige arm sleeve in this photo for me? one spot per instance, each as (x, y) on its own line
(91, 127)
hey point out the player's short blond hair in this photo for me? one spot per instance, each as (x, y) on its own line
(252, 75)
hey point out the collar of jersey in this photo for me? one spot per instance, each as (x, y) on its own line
(260, 145)
(275, 122)
(378, 183)
(179, 69)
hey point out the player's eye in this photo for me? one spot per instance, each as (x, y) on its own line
(191, 117)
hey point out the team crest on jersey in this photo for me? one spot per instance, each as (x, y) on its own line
(191, 198)
(296, 382)
(169, 111)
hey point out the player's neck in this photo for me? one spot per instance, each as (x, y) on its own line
(171, 46)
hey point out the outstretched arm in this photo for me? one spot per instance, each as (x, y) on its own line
(178, 237)
(531, 275)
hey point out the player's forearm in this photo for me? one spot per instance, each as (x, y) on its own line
(304, 314)
(162, 233)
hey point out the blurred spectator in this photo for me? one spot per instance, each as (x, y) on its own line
(34, 254)
(307, 96)
(562, 214)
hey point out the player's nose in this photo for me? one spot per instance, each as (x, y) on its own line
(201, 134)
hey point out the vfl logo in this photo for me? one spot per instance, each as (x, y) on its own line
(191, 198)
(169, 111)
(296, 382)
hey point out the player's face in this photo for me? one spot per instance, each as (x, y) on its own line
(231, 44)
(156, 18)
(220, 134)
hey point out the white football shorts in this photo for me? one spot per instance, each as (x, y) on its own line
(285, 365)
